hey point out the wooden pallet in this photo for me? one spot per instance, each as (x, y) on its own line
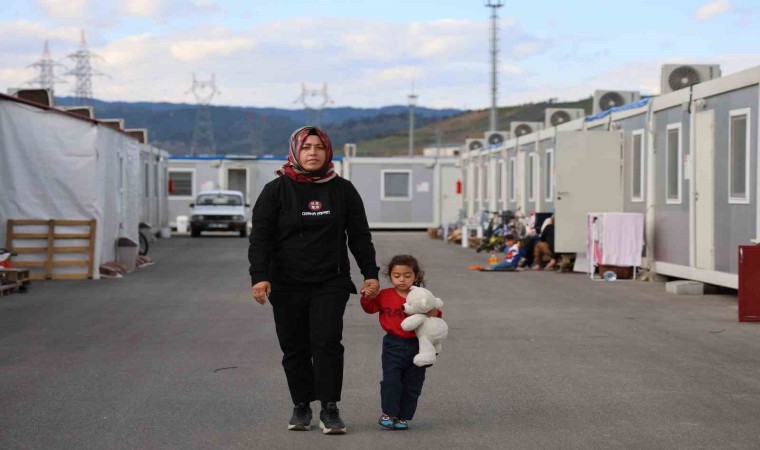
(50, 263)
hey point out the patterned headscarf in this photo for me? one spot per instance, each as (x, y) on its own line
(293, 169)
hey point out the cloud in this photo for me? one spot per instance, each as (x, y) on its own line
(712, 9)
(64, 9)
(195, 50)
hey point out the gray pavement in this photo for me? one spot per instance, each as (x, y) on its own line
(178, 356)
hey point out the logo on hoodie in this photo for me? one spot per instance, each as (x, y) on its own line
(315, 205)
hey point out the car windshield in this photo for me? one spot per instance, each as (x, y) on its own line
(219, 200)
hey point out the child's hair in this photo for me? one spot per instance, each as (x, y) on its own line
(411, 261)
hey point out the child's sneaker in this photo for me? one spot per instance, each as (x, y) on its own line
(386, 421)
(399, 424)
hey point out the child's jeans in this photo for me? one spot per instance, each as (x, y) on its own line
(402, 380)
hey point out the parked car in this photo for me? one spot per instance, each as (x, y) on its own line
(219, 210)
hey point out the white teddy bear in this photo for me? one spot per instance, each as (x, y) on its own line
(431, 331)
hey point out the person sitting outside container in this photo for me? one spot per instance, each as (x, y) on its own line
(544, 249)
(512, 255)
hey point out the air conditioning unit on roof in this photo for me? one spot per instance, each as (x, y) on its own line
(496, 138)
(680, 76)
(116, 124)
(474, 144)
(36, 95)
(522, 128)
(141, 134)
(606, 99)
(84, 111)
(558, 116)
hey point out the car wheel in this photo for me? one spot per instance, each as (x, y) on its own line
(244, 232)
(194, 232)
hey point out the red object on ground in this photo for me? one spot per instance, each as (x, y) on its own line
(459, 186)
(749, 283)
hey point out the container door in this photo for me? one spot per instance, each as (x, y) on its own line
(588, 178)
(749, 283)
(704, 200)
(237, 181)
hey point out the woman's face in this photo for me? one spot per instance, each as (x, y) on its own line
(313, 154)
(403, 277)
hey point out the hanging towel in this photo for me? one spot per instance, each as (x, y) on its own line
(622, 239)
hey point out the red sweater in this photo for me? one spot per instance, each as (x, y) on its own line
(388, 302)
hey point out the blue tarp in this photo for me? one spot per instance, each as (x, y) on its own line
(633, 105)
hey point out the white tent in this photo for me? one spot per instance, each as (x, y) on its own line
(56, 165)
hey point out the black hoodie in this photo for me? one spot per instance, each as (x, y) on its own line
(300, 232)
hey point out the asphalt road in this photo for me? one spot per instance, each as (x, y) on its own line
(178, 356)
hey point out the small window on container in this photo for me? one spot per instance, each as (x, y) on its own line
(738, 157)
(397, 185)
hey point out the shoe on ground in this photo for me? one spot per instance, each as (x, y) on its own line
(399, 424)
(301, 420)
(330, 421)
(552, 264)
(386, 421)
(536, 267)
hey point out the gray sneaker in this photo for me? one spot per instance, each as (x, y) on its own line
(330, 421)
(301, 420)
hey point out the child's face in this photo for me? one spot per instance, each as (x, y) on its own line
(509, 242)
(403, 278)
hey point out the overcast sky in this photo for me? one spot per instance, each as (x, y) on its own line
(371, 52)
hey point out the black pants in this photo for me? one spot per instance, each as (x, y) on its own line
(402, 380)
(309, 324)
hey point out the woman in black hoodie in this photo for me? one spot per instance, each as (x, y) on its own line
(304, 222)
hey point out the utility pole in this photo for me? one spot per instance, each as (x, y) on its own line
(314, 109)
(412, 103)
(46, 69)
(83, 71)
(494, 5)
(203, 133)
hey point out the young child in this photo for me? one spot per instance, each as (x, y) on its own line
(402, 380)
(512, 255)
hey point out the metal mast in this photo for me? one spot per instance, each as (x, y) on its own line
(83, 71)
(203, 133)
(46, 67)
(412, 103)
(494, 5)
(314, 107)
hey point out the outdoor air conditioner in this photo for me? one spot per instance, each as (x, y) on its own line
(558, 116)
(36, 95)
(496, 138)
(116, 124)
(679, 76)
(523, 128)
(141, 134)
(84, 111)
(606, 99)
(474, 144)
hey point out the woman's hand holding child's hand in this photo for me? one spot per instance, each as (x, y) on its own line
(371, 288)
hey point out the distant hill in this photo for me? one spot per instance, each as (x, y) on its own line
(258, 131)
(455, 129)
